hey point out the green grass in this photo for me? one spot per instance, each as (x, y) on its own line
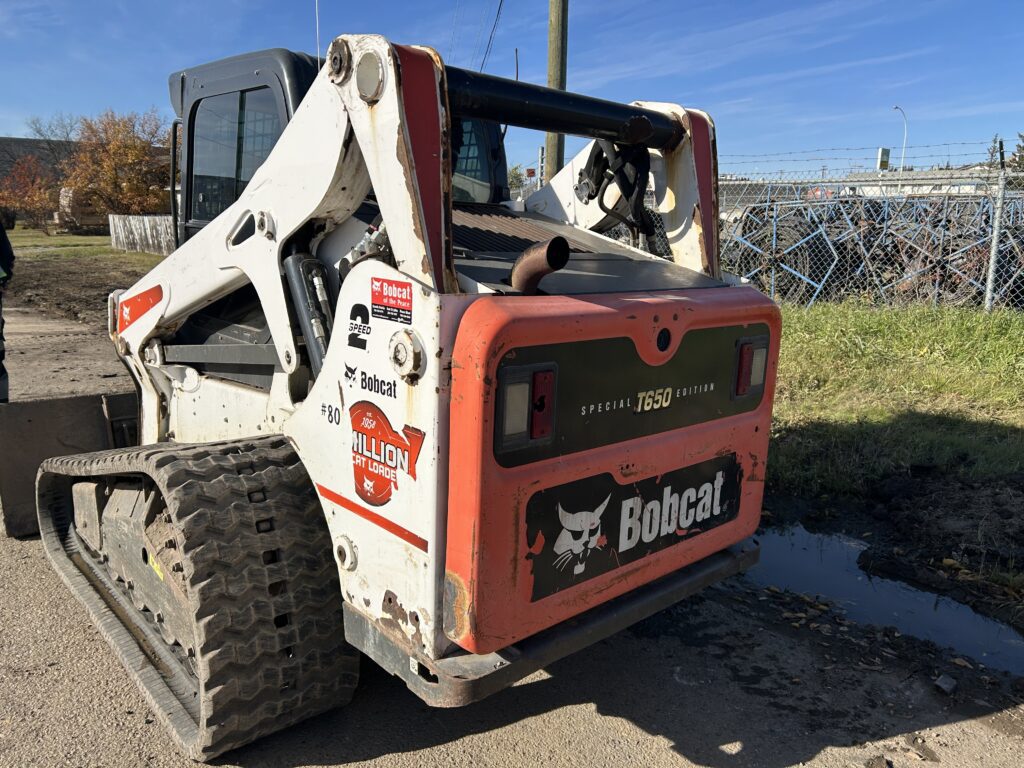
(31, 243)
(865, 393)
(22, 237)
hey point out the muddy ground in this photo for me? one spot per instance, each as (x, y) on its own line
(74, 287)
(735, 677)
(51, 357)
(963, 540)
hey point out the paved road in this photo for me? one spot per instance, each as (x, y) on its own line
(726, 679)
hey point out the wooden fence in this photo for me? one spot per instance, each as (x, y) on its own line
(152, 234)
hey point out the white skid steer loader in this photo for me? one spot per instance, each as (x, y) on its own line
(385, 411)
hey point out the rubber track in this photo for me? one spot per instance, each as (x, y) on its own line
(266, 604)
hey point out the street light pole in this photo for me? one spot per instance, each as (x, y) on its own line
(903, 154)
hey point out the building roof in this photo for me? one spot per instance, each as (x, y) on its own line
(13, 148)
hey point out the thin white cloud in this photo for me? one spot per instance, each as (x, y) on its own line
(19, 17)
(658, 51)
(906, 83)
(949, 111)
(803, 73)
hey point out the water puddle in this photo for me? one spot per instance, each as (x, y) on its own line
(814, 564)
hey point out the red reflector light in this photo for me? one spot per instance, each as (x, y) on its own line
(743, 370)
(542, 408)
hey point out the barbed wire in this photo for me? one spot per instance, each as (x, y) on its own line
(986, 142)
(871, 159)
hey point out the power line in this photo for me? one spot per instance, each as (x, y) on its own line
(490, 40)
(455, 26)
(479, 36)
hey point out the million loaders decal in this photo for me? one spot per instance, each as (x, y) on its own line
(380, 455)
(588, 527)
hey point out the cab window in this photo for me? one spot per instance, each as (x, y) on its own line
(479, 163)
(233, 134)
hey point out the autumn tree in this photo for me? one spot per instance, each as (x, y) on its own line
(30, 190)
(120, 162)
(516, 176)
(57, 135)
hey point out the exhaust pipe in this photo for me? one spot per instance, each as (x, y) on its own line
(537, 261)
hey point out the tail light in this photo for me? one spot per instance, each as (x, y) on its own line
(751, 360)
(526, 407)
(542, 405)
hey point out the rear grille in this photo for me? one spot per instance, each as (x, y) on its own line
(493, 228)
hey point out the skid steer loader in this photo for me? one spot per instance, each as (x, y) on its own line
(386, 411)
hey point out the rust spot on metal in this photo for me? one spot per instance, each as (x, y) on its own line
(395, 617)
(698, 225)
(458, 619)
(518, 504)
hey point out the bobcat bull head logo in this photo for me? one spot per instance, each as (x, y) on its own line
(581, 533)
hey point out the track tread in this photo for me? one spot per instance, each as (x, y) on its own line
(255, 677)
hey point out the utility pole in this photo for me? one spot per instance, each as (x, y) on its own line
(558, 41)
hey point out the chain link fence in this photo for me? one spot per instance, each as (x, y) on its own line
(953, 237)
(946, 235)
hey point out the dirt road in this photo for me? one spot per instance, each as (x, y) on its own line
(722, 680)
(739, 676)
(47, 356)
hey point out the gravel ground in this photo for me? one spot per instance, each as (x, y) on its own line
(725, 679)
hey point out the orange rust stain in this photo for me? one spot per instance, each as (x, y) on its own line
(538, 545)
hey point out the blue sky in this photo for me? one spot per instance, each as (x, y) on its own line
(776, 77)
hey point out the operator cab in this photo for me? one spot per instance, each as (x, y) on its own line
(234, 110)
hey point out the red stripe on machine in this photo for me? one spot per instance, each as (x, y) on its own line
(405, 535)
(131, 309)
(420, 96)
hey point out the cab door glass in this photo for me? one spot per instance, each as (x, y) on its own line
(471, 178)
(260, 128)
(233, 134)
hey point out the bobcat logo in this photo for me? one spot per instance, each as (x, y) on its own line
(368, 486)
(350, 372)
(581, 533)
